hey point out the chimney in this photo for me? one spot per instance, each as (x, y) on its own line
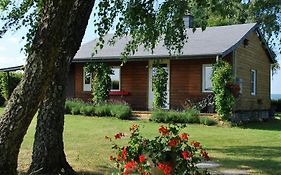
(188, 21)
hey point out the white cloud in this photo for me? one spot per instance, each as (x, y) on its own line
(11, 61)
(13, 40)
(3, 48)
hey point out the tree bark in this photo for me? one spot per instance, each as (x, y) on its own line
(59, 34)
(48, 155)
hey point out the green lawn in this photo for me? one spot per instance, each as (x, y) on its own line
(256, 147)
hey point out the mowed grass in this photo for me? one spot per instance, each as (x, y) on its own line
(255, 147)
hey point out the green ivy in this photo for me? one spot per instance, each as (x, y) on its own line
(6, 89)
(101, 82)
(159, 85)
(224, 100)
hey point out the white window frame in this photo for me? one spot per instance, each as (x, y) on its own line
(116, 67)
(86, 87)
(204, 78)
(253, 81)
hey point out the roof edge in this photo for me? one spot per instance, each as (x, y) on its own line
(143, 58)
(235, 46)
(14, 68)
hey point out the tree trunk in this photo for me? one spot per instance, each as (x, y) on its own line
(59, 34)
(48, 150)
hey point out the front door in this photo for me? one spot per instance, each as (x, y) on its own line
(166, 65)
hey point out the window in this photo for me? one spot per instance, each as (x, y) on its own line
(86, 81)
(206, 79)
(253, 82)
(115, 79)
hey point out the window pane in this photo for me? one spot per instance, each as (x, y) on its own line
(87, 81)
(115, 78)
(207, 78)
(87, 78)
(253, 82)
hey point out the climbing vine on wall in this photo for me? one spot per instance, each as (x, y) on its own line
(101, 82)
(159, 85)
(222, 76)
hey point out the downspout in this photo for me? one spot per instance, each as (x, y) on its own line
(217, 58)
(234, 65)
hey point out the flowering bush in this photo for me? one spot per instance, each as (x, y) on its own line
(234, 88)
(170, 153)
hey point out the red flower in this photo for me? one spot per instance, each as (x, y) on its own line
(186, 155)
(164, 131)
(173, 143)
(165, 168)
(124, 154)
(184, 136)
(130, 167)
(141, 158)
(119, 135)
(195, 144)
(205, 155)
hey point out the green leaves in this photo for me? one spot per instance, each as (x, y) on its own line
(147, 22)
(159, 84)
(101, 81)
(224, 100)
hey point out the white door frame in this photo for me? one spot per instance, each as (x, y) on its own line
(150, 93)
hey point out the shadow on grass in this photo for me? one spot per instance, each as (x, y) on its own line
(102, 170)
(271, 125)
(258, 158)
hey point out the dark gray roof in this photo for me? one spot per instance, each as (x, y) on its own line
(10, 69)
(214, 41)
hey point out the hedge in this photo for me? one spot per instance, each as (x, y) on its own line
(188, 116)
(76, 107)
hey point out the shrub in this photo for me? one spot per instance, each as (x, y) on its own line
(73, 106)
(207, 121)
(13, 82)
(171, 152)
(276, 105)
(76, 107)
(87, 110)
(120, 111)
(102, 110)
(189, 116)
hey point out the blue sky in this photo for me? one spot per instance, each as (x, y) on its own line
(11, 54)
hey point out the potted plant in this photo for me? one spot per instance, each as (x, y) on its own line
(169, 153)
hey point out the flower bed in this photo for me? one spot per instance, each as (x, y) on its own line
(169, 153)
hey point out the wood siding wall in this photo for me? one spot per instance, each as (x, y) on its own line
(134, 79)
(186, 81)
(254, 57)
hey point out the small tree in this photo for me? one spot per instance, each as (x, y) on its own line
(101, 82)
(159, 84)
(222, 75)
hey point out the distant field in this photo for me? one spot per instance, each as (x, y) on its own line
(255, 147)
